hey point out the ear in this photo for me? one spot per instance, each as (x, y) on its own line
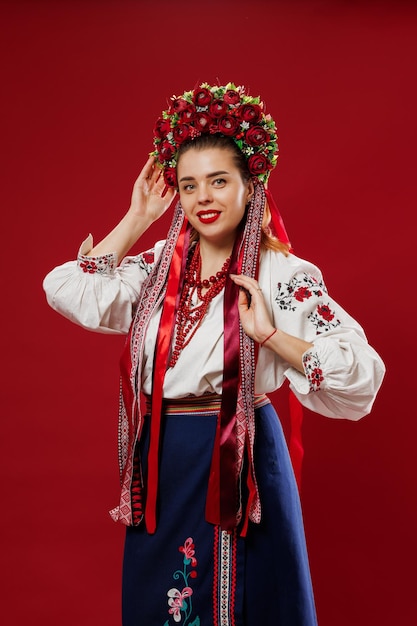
(251, 191)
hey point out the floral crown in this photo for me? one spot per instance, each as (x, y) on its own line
(224, 110)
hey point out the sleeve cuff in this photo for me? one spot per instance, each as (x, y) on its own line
(103, 264)
(312, 378)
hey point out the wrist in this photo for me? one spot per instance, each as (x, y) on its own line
(268, 337)
(137, 219)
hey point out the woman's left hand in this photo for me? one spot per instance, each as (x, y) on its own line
(254, 316)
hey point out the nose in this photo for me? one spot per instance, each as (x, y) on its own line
(204, 194)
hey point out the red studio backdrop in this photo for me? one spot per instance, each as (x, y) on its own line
(82, 84)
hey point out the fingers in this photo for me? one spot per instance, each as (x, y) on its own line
(250, 284)
(147, 169)
(168, 193)
(253, 311)
(244, 299)
(150, 179)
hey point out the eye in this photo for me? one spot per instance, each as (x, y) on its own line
(188, 188)
(219, 182)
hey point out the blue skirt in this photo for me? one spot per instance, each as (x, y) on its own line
(190, 573)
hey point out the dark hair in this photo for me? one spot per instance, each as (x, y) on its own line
(218, 141)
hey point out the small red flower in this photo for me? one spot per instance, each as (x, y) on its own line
(249, 113)
(256, 135)
(162, 128)
(166, 151)
(231, 96)
(181, 133)
(178, 105)
(302, 293)
(88, 267)
(170, 177)
(228, 125)
(316, 377)
(258, 164)
(188, 550)
(325, 312)
(202, 97)
(218, 108)
(187, 113)
(148, 257)
(202, 122)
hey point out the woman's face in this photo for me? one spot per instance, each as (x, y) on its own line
(213, 193)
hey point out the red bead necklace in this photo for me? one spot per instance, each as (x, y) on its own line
(189, 316)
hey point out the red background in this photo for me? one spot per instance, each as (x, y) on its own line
(83, 83)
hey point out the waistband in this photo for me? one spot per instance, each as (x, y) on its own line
(209, 404)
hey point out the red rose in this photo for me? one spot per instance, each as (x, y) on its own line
(202, 122)
(187, 113)
(258, 164)
(202, 97)
(228, 125)
(256, 135)
(231, 97)
(178, 105)
(181, 133)
(250, 113)
(166, 151)
(170, 176)
(218, 108)
(162, 128)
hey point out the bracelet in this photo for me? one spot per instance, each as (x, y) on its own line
(269, 337)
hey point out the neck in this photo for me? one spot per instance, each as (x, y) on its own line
(213, 256)
(215, 252)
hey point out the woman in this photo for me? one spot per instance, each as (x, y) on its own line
(218, 315)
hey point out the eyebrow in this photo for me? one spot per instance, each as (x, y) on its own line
(184, 178)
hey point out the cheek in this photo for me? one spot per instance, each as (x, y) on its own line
(241, 205)
(185, 202)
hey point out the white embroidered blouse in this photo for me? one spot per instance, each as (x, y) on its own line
(342, 372)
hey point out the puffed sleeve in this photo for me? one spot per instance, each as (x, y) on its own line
(96, 293)
(342, 372)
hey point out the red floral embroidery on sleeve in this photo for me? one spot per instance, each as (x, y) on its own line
(96, 264)
(301, 288)
(313, 371)
(296, 290)
(302, 293)
(149, 256)
(146, 261)
(323, 318)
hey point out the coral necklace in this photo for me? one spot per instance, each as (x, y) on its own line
(190, 316)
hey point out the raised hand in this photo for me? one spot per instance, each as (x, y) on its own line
(150, 200)
(150, 196)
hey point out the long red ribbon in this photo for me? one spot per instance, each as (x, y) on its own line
(295, 444)
(222, 493)
(161, 360)
(276, 219)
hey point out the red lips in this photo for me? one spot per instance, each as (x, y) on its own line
(208, 217)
